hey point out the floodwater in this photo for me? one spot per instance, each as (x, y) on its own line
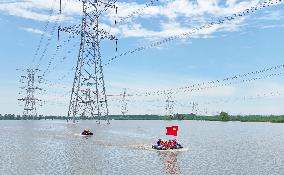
(123, 147)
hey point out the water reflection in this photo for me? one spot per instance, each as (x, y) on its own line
(169, 159)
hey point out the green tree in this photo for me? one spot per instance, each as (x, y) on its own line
(179, 116)
(224, 116)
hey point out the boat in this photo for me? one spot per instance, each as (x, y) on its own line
(167, 145)
(87, 133)
(160, 147)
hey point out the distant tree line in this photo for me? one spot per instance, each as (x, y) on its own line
(223, 116)
(20, 117)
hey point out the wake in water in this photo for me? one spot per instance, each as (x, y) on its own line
(79, 134)
(136, 146)
(132, 146)
(149, 147)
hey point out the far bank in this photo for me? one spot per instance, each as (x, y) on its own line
(223, 116)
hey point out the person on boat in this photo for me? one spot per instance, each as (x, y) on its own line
(159, 142)
(171, 144)
(162, 144)
(175, 143)
(87, 132)
(178, 146)
(166, 144)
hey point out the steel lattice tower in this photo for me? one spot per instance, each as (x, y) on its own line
(124, 103)
(169, 104)
(194, 109)
(88, 97)
(30, 80)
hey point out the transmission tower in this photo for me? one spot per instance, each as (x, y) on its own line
(194, 109)
(31, 82)
(124, 101)
(170, 103)
(88, 97)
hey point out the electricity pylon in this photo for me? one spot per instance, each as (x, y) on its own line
(194, 109)
(88, 97)
(170, 103)
(124, 101)
(31, 82)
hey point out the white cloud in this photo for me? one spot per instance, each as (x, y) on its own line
(177, 8)
(177, 15)
(24, 10)
(32, 30)
(40, 10)
(272, 26)
(272, 15)
(264, 88)
(169, 17)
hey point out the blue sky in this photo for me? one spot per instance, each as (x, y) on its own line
(249, 43)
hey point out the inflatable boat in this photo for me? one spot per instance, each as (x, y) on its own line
(160, 147)
(86, 133)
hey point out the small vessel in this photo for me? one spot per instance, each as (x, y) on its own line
(167, 145)
(157, 147)
(87, 133)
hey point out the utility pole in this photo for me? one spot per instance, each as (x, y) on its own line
(88, 96)
(30, 81)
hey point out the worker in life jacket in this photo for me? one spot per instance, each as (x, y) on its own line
(159, 142)
(178, 145)
(162, 142)
(85, 132)
(171, 144)
(175, 143)
(166, 144)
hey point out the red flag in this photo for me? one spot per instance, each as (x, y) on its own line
(172, 130)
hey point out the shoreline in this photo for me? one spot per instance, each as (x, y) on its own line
(223, 117)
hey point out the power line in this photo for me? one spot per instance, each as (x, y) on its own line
(51, 11)
(48, 43)
(52, 58)
(220, 21)
(123, 20)
(235, 79)
(196, 29)
(88, 97)
(124, 101)
(220, 82)
(51, 36)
